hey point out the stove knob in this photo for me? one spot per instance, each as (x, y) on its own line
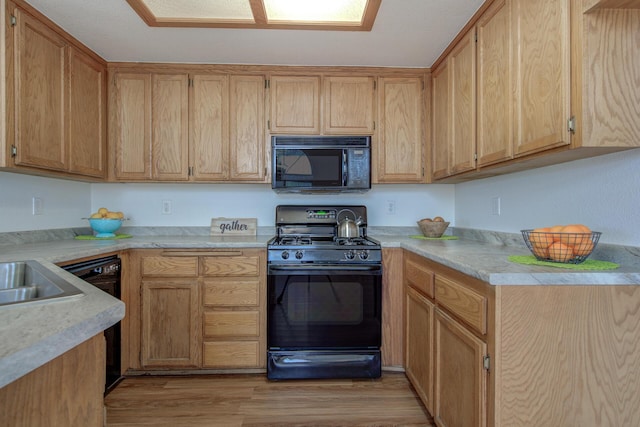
(364, 255)
(350, 254)
(299, 254)
(285, 254)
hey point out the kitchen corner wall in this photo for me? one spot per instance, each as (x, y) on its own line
(196, 204)
(601, 192)
(63, 203)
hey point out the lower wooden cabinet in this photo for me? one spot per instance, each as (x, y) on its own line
(459, 374)
(170, 323)
(447, 336)
(67, 391)
(419, 339)
(198, 309)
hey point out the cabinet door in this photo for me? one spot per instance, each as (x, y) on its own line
(462, 62)
(441, 113)
(131, 125)
(349, 104)
(400, 147)
(295, 105)
(460, 381)
(209, 127)
(541, 64)
(419, 345)
(246, 133)
(39, 94)
(170, 127)
(495, 115)
(86, 120)
(171, 323)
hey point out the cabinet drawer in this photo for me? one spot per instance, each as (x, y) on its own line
(232, 324)
(170, 266)
(463, 302)
(228, 293)
(231, 265)
(419, 277)
(231, 354)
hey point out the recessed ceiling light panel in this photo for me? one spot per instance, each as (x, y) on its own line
(330, 15)
(342, 11)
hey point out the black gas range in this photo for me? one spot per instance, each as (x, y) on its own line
(309, 235)
(324, 295)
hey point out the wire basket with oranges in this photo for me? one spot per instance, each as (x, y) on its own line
(568, 244)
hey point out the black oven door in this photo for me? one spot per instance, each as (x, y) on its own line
(324, 307)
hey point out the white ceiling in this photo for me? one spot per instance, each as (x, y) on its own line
(407, 33)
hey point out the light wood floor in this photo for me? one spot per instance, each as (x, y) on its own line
(252, 400)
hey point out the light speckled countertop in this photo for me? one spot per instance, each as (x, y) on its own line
(33, 334)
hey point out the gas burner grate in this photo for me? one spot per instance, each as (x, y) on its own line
(352, 241)
(295, 240)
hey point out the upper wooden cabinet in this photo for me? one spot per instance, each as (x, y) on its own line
(552, 85)
(295, 104)
(349, 105)
(441, 117)
(246, 130)
(462, 88)
(541, 74)
(181, 126)
(400, 143)
(56, 99)
(494, 76)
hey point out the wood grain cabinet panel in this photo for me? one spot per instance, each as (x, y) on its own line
(87, 116)
(231, 354)
(171, 325)
(295, 104)
(169, 127)
(67, 391)
(494, 73)
(231, 265)
(462, 86)
(541, 66)
(209, 127)
(400, 143)
(463, 302)
(419, 312)
(418, 276)
(246, 132)
(460, 381)
(232, 324)
(40, 94)
(349, 105)
(232, 292)
(175, 266)
(441, 121)
(130, 126)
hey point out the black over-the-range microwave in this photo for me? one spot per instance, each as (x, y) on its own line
(308, 164)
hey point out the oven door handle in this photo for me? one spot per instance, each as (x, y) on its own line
(279, 270)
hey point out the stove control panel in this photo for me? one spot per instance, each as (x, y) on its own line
(321, 214)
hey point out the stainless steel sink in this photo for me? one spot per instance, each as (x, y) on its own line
(28, 281)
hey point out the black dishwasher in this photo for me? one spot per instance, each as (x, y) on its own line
(104, 273)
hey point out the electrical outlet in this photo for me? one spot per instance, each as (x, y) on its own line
(495, 206)
(391, 207)
(166, 207)
(37, 206)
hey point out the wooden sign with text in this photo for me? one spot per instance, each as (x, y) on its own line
(234, 226)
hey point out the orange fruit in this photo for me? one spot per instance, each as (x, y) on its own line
(540, 252)
(584, 248)
(560, 252)
(556, 229)
(575, 234)
(540, 237)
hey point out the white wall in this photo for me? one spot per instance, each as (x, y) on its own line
(196, 204)
(602, 192)
(64, 203)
